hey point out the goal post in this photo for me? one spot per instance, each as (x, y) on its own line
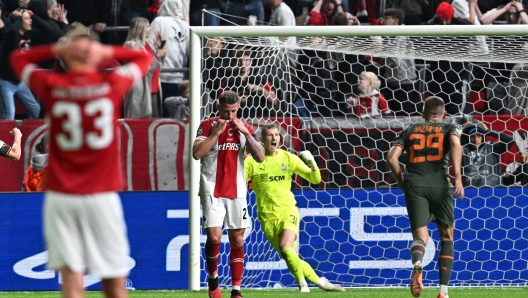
(378, 198)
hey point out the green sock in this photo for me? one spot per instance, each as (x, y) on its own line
(309, 273)
(417, 250)
(445, 261)
(294, 263)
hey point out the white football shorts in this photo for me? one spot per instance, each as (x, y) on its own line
(86, 233)
(232, 213)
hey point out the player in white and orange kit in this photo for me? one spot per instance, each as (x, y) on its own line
(220, 145)
(84, 225)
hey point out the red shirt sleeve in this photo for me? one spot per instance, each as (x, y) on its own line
(24, 61)
(138, 61)
(315, 19)
(383, 105)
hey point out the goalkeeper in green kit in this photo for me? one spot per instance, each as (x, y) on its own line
(277, 210)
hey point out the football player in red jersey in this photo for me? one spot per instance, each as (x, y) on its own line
(221, 145)
(84, 225)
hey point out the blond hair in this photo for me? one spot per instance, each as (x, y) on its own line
(372, 77)
(77, 29)
(137, 32)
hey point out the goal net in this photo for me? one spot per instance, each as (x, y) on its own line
(344, 93)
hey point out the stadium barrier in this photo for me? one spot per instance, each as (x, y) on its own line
(154, 152)
(355, 237)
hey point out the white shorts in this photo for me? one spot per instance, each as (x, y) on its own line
(233, 213)
(86, 232)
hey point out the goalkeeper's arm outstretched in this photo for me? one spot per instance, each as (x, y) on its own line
(276, 204)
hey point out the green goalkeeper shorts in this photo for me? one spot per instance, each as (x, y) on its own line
(427, 204)
(273, 229)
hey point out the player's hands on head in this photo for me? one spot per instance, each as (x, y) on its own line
(458, 193)
(308, 158)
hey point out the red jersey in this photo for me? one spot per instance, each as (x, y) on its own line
(222, 168)
(82, 110)
(371, 105)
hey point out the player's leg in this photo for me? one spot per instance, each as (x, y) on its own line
(419, 217)
(445, 214)
(63, 242)
(106, 243)
(72, 284)
(114, 287)
(236, 222)
(446, 257)
(302, 271)
(212, 220)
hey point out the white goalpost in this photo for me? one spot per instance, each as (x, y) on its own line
(354, 227)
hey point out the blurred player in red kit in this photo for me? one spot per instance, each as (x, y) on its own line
(84, 225)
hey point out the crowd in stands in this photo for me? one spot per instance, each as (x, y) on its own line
(325, 84)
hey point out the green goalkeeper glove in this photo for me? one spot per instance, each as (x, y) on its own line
(308, 158)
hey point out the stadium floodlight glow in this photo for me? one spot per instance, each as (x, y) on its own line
(354, 224)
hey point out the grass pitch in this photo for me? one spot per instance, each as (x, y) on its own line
(507, 292)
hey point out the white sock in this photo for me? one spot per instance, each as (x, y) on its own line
(236, 288)
(443, 290)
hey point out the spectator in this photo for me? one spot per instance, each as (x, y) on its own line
(36, 173)
(211, 17)
(488, 5)
(370, 103)
(469, 10)
(14, 151)
(281, 13)
(448, 77)
(221, 145)
(365, 10)
(323, 12)
(481, 159)
(513, 13)
(217, 61)
(414, 10)
(175, 32)
(49, 17)
(131, 9)
(445, 15)
(90, 13)
(257, 94)
(399, 74)
(517, 101)
(19, 36)
(238, 11)
(12, 5)
(178, 106)
(5, 24)
(138, 102)
(84, 226)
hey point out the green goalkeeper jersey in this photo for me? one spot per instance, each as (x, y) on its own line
(272, 181)
(428, 152)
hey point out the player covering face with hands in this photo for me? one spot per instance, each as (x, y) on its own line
(428, 191)
(221, 145)
(276, 204)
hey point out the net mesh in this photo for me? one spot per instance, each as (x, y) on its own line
(354, 226)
